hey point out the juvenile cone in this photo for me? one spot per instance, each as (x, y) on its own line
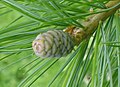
(54, 43)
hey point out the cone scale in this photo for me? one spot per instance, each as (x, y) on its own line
(53, 43)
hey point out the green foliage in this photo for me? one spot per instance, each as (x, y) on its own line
(94, 63)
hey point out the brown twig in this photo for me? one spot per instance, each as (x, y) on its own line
(91, 25)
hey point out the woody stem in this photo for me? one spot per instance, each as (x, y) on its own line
(91, 25)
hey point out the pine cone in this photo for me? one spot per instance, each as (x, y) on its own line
(55, 43)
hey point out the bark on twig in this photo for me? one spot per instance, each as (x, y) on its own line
(91, 25)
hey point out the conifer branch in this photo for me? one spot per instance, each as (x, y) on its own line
(91, 24)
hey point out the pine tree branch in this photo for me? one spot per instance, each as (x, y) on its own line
(91, 25)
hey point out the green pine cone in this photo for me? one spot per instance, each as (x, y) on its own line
(55, 43)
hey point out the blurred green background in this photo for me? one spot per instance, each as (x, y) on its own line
(11, 76)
